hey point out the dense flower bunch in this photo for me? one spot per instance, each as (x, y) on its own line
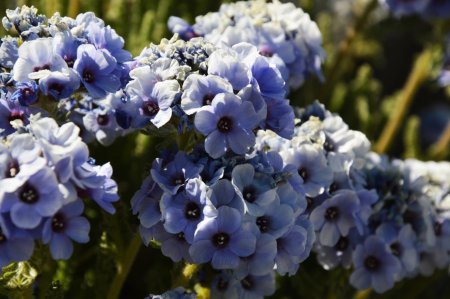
(426, 8)
(386, 219)
(45, 172)
(73, 68)
(280, 31)
(239, 214)
(220, 93)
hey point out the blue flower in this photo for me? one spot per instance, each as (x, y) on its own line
(104, 37)
(96, 67)
(182, 212)
(227, 123)
(15, 244)
(9, 49)
(59, 85)
(276, 220)
(153, 99)
(222, 194)
(280, 117)
(174, 246)
(145, 203)
(254, 287)
(309, 169)
(262, 261)
(171, 176)
(374, 266)
(11, 111)
(37, 198)
(181, 27)
(222, 240)
(199, 91)
(257, 190)
(26, 93)
(35, 56)
(19, 161)
(63, 227)
(66, 45)
(336, 216)
(402, 244)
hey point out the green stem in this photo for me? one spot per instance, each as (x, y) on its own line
(418, 75)
(345, 46)
(441, 147)
(124, 266)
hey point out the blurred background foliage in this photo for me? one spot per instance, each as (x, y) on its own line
(380, 77)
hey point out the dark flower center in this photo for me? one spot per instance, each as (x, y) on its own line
(69, 60)
(102, 119)
(263, 223)
(88, 76)
(372, 263)
(207, 99)
(221, 240)
(12, 169)
(266, 52)
(225, 124)
(178, 179)
(56, 87)
(396, 249)
(331, 213)
(249, 194)
(40, 68)
(58, 223)
(27, 92)
(342, 244)
(192, 211)
(180, 236)
(151, 108)
(28, 194)
(328, 145)
(303, 173)
(16, 114)
(333, 187)
(247, 283)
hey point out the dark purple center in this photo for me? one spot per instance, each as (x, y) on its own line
(331, 213)
(371, 263)
(102, 119)
(40, 68)
(263, 223)
(58, 223)
(207, 99)
(247, 283)
(225, 124)
(303, 173)
(220, 240)
(12, 169)
(28, 194)
(192, 211)
(151, 108)
(88, 76)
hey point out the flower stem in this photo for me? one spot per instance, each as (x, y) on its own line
(418, 75)
(441, 147)
(345, 46)
(124, 266)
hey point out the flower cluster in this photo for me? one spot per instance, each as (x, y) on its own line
(426, 8)
(280, 31)
(386, 219)
(239, 214)
(45, 171)
(73, 68)
(223, 94)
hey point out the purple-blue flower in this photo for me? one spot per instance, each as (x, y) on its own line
(15, 244)
(227, 124)
(96, 67)
(374, 266)
(63, 227)
(182, 212)
(26, 93)
(222, 240)
(37, 198)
